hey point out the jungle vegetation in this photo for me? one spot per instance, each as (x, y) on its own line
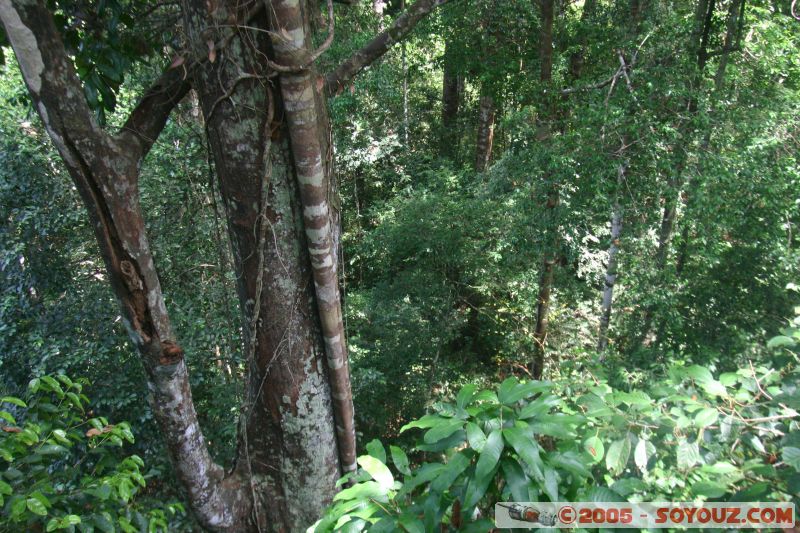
(374, 266)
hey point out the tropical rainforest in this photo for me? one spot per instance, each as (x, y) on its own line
(377, 265)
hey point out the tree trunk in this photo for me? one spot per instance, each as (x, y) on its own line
(452, 94)
(611, 266)
(703, 21)
(273, 176)
(105, 171)
(550, 257)
(483, 146)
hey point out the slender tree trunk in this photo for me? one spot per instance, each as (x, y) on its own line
(611, 266)
(404, 61)
(551, 254)
(483, 146)
(703, 18)
(452, 94)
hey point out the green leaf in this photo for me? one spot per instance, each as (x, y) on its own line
(379, 471)
(780, 341)
(454, 467)
(363, 491)
(426, 421)
(475, 436)
(571, 462)
(551, 483)
(53, 524)
(618, 454)
(484, 396)
(527, 449)
(516, 480)
(465, 395)
(376, 450)
(558, 431)
(706, 417)
(791, 456)
(36, 507)
(699, 374)
(52, 449)
(720, 468)
(489, 456)
(5, 488)
(505, 389)
(522, 390)
(539, 406)
(594, 447)
(710, 489)
(13, 400)
(411, 523)
(642, 454)
(445, 428)
(714, 387)
(400, 460)
(688, 454)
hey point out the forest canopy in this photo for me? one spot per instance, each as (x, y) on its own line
(292, 265)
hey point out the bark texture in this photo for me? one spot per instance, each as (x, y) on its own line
(307, 127)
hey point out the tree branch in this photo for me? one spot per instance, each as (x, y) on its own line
(341, 76)
(150, 115)
(106, 174)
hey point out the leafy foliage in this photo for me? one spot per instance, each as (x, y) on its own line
(732, 437)
(61, 469)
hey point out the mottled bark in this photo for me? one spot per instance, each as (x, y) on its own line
(483, 145)
(271, 152)
(611, 266)
(307, 126)
(287, 450)
(105, 171)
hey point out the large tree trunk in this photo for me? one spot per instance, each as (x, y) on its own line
(105, 171)
(483, 145)
(273, 176)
